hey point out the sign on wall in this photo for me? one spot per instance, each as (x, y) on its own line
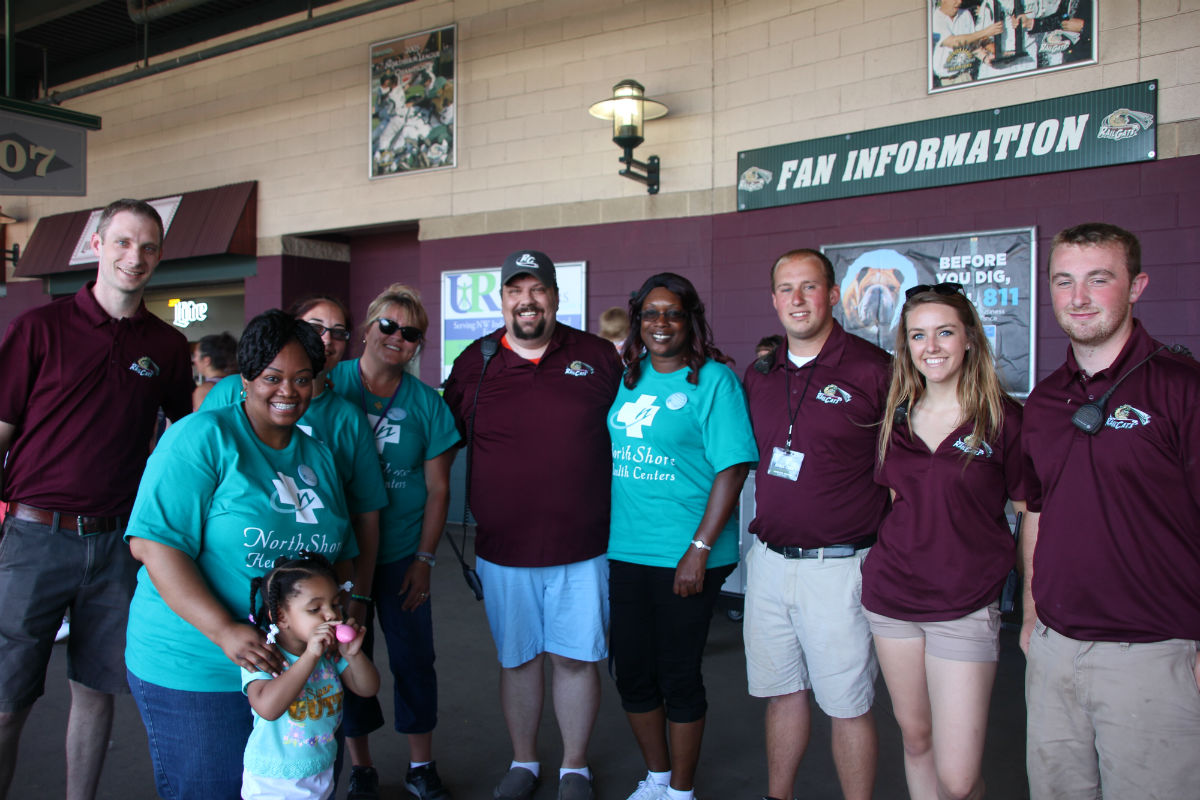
(471, 305)
(983, 41)
(997, 270)
(41, 157)
(1092, 129)
(413, 103)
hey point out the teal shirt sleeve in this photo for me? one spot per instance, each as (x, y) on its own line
(224, 392)
(725, 428)
(178, 485)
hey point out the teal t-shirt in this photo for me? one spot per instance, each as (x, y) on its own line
(341, 426)
(233, 505)
(670, 438)
(301, 742)
(410, 429)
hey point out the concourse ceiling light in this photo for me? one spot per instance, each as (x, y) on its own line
(629, 108)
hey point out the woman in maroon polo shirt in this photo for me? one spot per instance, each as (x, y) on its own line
(949, 451)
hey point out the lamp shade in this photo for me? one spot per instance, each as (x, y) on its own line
(628, 108)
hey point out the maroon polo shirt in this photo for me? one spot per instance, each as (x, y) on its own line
(83, 391)
(945, 548)
(1118, 547)
(542, 462)
(838, 400)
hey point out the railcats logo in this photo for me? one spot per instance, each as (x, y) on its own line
(145, 367)
(755, 178)
(526, 260)
(634, 416)
(833, 394)
(288, 496)
(974, 445)
(1126, 417)
(1124, 123)
(579, 369)
(387, 429)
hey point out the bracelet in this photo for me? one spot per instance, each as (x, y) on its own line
(699, 545)
(426, 558)
(362, 598)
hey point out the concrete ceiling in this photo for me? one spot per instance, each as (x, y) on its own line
(60, 41)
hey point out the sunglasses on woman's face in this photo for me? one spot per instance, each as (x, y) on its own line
(671, 315)
(337, 334)
(943, 288)
(387, 327)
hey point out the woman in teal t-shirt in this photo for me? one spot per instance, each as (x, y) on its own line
(682, 446)
(224, 495)
(415, 436)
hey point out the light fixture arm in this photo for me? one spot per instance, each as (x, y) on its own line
(649, 176)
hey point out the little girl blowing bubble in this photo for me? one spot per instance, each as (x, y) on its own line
(290, 752)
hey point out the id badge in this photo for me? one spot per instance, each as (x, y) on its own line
(785, 463)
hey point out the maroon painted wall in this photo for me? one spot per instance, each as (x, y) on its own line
(728, 256)
(22, 296)
(282, 280)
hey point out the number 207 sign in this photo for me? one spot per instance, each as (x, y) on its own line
(41, 157)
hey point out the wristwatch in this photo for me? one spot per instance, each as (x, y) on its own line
(426, 558)
(699, 545)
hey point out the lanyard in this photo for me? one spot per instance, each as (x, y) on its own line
(787, 390)
(362, 390)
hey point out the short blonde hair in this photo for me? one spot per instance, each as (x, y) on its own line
(614, 324)
(407, 298)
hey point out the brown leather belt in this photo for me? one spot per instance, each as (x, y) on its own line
(82, 525)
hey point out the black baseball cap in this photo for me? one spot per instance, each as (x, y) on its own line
(529, 262)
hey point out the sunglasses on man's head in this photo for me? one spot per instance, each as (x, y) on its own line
(337, 334)
(944, 288)
(387, 327)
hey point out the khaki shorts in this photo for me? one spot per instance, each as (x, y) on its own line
(975, 637)
(1121, 719)
(805, 629)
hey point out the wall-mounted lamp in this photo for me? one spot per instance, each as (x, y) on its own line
(629, 108)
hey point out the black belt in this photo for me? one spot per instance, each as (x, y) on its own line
(829, 551)
(57, 520)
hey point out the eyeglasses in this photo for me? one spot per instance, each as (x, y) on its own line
(337, 334)
(944, 288)
(387, 327)
(671, 315)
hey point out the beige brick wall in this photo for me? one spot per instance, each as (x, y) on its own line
(737, 74)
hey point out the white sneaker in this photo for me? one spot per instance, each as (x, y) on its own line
(64, 630)
(648, 790)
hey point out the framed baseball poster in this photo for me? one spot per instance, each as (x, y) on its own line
(983, 41)
(412, 103)
(471, 305)
(997, 270)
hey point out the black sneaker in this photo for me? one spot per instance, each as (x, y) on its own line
(364, 784)
(423, 783)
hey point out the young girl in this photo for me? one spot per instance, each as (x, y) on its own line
(290, 753)
(949, 451)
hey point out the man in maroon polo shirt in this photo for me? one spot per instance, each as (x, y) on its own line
(84, 378)
(815, 403)
(1111, 541)
(531, 400)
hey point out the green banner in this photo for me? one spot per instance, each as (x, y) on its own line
(1093, 129)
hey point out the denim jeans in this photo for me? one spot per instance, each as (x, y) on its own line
(197, 740)
(409, 637)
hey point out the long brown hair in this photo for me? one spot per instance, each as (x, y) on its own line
(980, 394)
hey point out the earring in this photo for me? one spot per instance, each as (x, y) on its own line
(243, 393)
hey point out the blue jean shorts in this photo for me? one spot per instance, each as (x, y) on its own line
(561, 610)
(197, 740)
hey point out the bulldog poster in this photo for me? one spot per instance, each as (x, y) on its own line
(997, 270)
